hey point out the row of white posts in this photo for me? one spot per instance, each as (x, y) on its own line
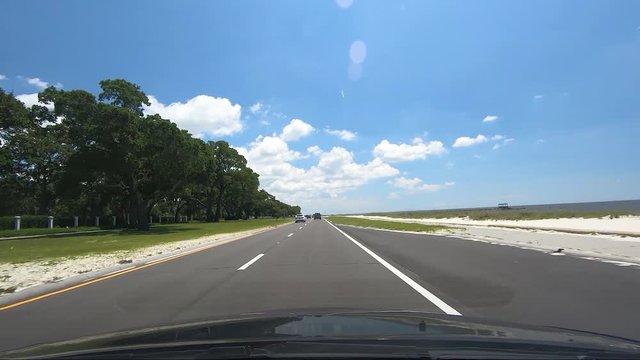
(97, 220)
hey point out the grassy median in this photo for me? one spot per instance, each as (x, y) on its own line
(390, 225)
(52, 247)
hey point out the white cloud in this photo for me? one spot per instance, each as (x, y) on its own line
(335, 172)
(416, 184)
(497, 137)
(404, 152)
(264, 122)
(465, 141)
(200, 115)
(393, 196)
(540, 141)
(504, 142)
(37, 82)
(255, 108)
(296, 130)
(2, 77)
(490, 118)
(344, 3)
(345, 135)
(538, 97)
(315, 150)
(32, 99)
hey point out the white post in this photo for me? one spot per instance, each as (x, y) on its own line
(75, 221)
(159, 219)
(114, 220)
(97, 221)
(128, 221)
(50, 222)
(150, 219)
(17, 218)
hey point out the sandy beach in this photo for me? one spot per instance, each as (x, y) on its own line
(603, 239)
(624, 225)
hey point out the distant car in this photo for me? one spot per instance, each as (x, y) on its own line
(300, 218)
(308, 216)
(317, 216)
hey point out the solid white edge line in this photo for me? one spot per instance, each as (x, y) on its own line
(417, 287)
(243, 267)
(290, 235)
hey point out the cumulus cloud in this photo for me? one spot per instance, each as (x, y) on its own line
(200, 115)
(2, 77)
(32, 99)
(315, 150)
(465, 141)
(538, 97)
(497, 137)
(490, 118)
(416, 184)
(345, 135)
(295, 130)
(418, 149)
(335, 172)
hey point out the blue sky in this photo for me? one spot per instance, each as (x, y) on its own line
(560, 81)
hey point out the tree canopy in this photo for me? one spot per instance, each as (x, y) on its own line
(102, 155)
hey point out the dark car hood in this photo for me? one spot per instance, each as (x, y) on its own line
(319, 325)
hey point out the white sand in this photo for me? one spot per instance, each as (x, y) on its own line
(24, 275)
(621, 249)
(629, 225)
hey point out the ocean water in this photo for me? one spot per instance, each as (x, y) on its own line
(623, 205)
(632, 206)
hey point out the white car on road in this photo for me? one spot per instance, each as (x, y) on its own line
(300, 218)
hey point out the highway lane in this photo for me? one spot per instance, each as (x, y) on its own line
(303, 268)
(511, 284)
(300, 268)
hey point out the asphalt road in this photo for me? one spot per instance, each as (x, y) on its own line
(302, 268)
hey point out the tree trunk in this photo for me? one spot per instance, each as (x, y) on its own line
(218, 208)
(142, 213)
(178, 208)
(210, 215)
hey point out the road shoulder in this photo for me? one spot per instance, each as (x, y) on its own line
(36, 278)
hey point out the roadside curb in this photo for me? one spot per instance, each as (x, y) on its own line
(43, 289)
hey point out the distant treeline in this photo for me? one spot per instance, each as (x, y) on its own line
(103, 157)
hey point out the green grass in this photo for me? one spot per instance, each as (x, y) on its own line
(43, 231)
(390, 225)
(502, 214)
(54, 247)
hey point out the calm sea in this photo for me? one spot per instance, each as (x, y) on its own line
(622, 205)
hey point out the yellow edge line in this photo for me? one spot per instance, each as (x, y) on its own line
(122, 272)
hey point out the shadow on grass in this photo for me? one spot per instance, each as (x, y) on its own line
(159, 230)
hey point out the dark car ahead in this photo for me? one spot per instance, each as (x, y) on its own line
(317, 216)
